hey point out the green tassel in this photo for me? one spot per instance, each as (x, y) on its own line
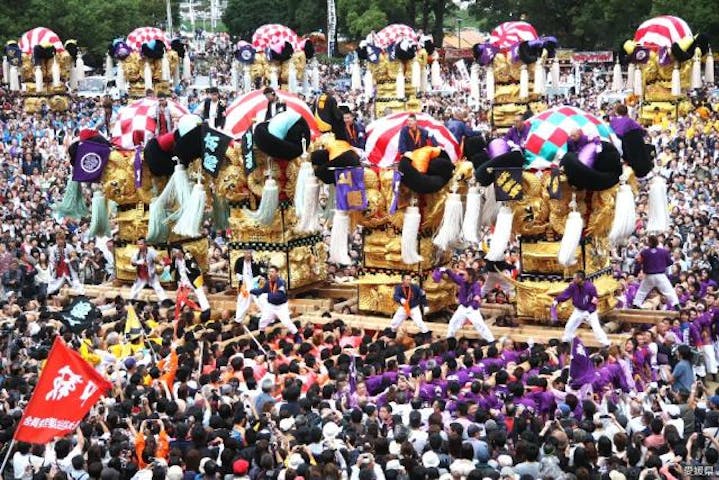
(99, 220)
(72, 204)
(158, 230)
(220, 213)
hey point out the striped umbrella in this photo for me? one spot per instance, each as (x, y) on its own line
(661, 32)
(140, 116)
(144, 34)
(37, 36)
(549, 132)
(252, 106)
(382, 144)
(394, 33)
(508, 34)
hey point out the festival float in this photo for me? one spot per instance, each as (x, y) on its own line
(42, 67)
(567, 207)
(514, 60)
(664, 62)
(396, 61)
(147, 59)
(276, 57)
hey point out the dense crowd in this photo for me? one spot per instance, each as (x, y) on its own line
(204, 401)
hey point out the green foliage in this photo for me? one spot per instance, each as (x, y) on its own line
(243, 17)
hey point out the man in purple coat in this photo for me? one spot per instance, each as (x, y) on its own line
(584, 298)
(517, 134)
(470, 291)
(654, 262)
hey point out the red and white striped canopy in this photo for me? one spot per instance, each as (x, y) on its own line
(382, 143)
(394, 33)
(508, 34)
(252, 106)
(37, 36)
(661, 32)
(144, 34)
(273, 33)
(141, 116)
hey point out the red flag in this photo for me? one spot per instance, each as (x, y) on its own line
(68, 387)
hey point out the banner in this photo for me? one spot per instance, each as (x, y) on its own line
(91, 158)
(396, 180)
(349, 189)
(331, 27)
(248, 155)
(80, 314)
(603, 56)
(508, 184)
(462, 68)
(215, 145)
(68, 387)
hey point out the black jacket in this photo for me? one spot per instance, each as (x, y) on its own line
(220, 120)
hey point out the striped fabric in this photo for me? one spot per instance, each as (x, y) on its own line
(508, 34)
(37, 36)
(661, 32)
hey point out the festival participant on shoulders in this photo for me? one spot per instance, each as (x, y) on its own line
(469, 295)
(654, 261)
(144, 260)
(412, 136)
(355, 130)
(273, 305)
(578, 140)
(517, 134)
(247, 273)
(61, 267)
(409, 297)
(584, 298)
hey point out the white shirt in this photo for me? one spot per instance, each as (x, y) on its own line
(247, 274)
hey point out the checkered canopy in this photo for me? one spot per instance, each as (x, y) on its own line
(141, 117)
(393, 34)
(549, 131)
(144, 34)
(273, 33)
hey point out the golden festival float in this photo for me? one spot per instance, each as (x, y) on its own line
(514, 60)
(398, 62)
(147, 59)
(42, 69)
(664, 62)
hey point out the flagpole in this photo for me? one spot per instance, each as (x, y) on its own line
(7, 455)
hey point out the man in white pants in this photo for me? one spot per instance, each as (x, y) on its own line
(409, 297)
(247, 273)
(654, 262)
(275, 307)
(61, 268)
(584, 298)
(188, 275)
(144, 260)
(470, 294)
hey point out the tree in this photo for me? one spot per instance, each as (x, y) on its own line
(243, 17)
(701, 15)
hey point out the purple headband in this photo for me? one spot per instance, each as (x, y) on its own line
(497, 147)
(588, 155)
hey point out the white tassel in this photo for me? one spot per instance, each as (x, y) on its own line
(416, 75)
(148, 75)
(166, 72)
(5, 70)
(292, 77)
(274, 79)
(39, 87)
(631, 69)
(79, 67)
(186, 67)
(190, 221)
(356, 83)
(539, 87)
(617, 77)
(490, 83)
(108, 68)
(339, 239)
(303, 177)
(177, 192)
(523, 82)
(176, 76)
(472, 214)
(658, 220)
(567, 255)
(625, 215)
(120, 80)
(73, 78)
(368, 83)
(502, 232)
(14, 79)
(676, 81)
(410, 232)
(269, 202)
(709, 68)
(436, 75)
(315, 75)
(490, 209)
(638, 83)
(309, 221)
(555, 72)
(474, 82)
(424, 84)
(696, 72)
(450, 229)
(55, 69)
(246, 79)
(399, 92)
